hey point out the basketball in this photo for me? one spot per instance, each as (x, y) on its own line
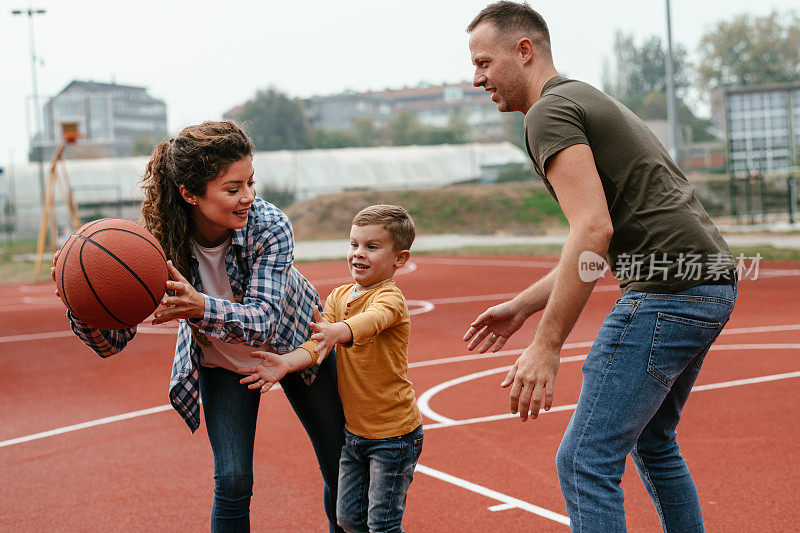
(111, 273)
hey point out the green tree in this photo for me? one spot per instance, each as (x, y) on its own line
(641, 69)
(749, 50)
(403, 129)
(365, 131)
(640, 82)
(323, 138)
(276, 122)
(143, 144)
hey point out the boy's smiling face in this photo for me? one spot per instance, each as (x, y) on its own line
(371, 257)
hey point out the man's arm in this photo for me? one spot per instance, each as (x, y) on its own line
(577, 185)
(499, 322)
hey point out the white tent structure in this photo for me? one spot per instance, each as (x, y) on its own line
(114, 183)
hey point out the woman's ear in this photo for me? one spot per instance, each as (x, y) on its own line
(189, 197)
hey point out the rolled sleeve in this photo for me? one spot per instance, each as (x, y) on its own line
(105, 343)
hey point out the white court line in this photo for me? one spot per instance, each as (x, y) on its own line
(424, 399)
(84, 425)
(760, 329)
(486, 262)
(98, 422)
(571, 407)
(509, 502)
(424, 307)
(408, 269)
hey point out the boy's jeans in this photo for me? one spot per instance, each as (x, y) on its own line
(636, 380)
(230, 411)
(374, 476)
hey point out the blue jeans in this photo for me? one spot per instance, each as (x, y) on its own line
(374, 476)
(230, 410)
(636, 380)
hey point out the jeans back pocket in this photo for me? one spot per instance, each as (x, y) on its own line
(677, 342)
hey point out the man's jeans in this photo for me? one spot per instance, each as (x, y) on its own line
(374, 476)
(636, 380)
(230, 410)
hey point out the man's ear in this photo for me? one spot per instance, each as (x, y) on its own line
(402, 258)
(524, 49)
(189, 197)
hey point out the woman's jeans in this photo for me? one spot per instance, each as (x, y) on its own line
(374, 476)
(636, 380)
(230, 411)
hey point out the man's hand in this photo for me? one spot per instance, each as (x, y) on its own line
(327, 335)
(185, 301)
(533, 375)
(497, 323)
(265, 374)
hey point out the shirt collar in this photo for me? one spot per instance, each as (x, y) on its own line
(239, 235)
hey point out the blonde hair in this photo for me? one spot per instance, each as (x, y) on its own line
(394, 219)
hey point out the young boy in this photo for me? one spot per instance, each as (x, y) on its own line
(368, 322)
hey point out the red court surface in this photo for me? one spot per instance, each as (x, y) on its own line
(90, 444)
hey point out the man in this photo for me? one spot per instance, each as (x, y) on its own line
(626, 200)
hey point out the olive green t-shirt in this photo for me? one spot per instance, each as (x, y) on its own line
(663, 239)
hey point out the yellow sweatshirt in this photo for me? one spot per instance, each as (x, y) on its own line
(376, 394)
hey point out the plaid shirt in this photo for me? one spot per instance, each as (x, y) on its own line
(273, 306)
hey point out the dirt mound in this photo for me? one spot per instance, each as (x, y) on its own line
(510, 208)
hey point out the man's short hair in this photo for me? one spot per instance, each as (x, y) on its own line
(394, 219)
(514, 19)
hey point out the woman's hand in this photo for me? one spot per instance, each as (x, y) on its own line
(53, 270)
(185, 301)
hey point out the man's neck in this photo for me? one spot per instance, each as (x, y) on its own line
(538, 83)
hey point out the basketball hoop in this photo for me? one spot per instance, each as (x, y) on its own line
(69, 132)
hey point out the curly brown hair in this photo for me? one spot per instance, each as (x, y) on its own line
(196, 156)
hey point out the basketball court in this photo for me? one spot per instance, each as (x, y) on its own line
(91, 444)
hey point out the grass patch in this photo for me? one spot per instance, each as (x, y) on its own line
(519, 208)
(767, 252)
(15, 265)
(510, 249)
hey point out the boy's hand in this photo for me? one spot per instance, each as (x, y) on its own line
(265, 374)
(328, 335)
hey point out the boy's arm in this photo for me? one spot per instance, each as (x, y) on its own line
(273, 368)
(386, 310)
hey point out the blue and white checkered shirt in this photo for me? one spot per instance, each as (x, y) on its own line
(273, 306)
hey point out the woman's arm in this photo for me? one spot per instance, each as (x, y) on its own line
(104, 342)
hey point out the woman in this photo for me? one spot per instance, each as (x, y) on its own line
(234, 289)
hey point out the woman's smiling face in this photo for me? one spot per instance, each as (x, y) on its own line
(225, 205)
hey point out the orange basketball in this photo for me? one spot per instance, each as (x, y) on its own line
(111, 273)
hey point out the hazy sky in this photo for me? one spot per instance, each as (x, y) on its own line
(206, 57)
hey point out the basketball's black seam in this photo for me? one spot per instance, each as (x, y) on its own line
(148, 241)
(89, 283)
(63, 268)
(64, 263)
(121, 262)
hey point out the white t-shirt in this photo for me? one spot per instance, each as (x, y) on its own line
(214, 277)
